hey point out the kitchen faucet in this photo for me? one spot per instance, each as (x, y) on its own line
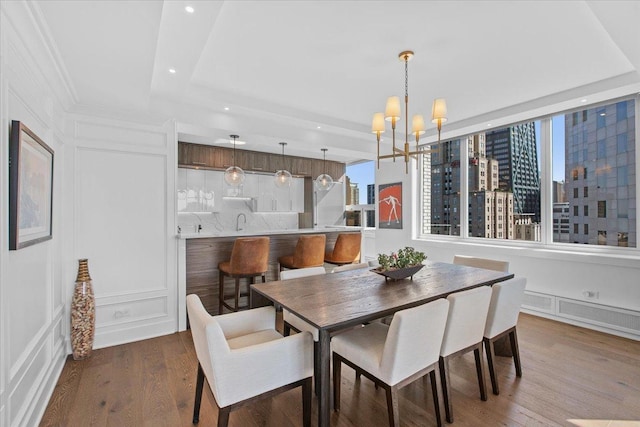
(238, 221)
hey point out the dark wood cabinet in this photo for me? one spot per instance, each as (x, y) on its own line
(207, 156)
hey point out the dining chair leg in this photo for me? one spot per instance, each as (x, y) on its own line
(513, 337)
(436, 396)
(337, 368)
(316, 366)
(223, 417)
(286, 329)
(198, 400)
(480, 371)
(306, 403)
(491, 355)
(443, 364)
(392, 405)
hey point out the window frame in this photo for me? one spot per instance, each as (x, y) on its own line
(546, 178)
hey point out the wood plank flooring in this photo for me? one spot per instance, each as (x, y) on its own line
(568, 372)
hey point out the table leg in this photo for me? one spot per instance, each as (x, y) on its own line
(324, 396)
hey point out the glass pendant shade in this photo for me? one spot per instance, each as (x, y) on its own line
(282, 178)
(324, 182)
(234, 176)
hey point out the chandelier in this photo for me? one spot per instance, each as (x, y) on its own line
(392, 114)
(234, 175)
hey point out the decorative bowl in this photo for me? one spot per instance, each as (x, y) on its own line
(399, 273)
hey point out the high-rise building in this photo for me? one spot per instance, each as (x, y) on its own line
(352, 196)
(559, 195)
(561, 222)
(600, 161)
(514, 148)
(371, 200)
(490, 208)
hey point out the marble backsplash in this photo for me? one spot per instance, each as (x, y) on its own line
(233, 215)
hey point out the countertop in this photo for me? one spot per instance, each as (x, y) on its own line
(241, 233)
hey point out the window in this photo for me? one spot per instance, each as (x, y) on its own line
(594, 168)
(621, 111)
(602, 208)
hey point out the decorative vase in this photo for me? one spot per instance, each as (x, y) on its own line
(399, 273)
(83, 314)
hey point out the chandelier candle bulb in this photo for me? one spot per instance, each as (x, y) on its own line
(377, 127)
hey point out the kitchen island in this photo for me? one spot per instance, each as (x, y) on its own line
(200, 253)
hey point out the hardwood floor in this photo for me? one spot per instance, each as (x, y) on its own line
(568, 372)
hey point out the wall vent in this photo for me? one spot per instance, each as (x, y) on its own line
(539, 302)
(601, 315)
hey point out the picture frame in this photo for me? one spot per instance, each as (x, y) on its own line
(30, 188)
(390, 206)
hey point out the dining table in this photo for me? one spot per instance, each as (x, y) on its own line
(338, 301)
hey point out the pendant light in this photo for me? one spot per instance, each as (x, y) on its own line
(282, 176)
(234, 175)
(324, 182)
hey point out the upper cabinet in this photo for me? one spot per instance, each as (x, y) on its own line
(207, 156)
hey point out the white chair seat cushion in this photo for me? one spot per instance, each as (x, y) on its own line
(253, 338)
(363, 347)
(299, 324)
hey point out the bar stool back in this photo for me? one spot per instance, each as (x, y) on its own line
(249, 258)
(346, 250)
(309, 252)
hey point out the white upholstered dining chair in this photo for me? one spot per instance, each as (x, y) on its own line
(463, 333)
(506, 299)
(396, 355)
(489, 264)
(244, 358)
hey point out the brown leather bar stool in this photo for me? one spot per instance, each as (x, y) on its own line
(249, 258)
(309, 252)
(346, 250)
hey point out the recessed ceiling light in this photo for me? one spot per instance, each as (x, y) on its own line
(318, 127)
(189, 9)
(226, 108)
(488, 124)
(603, 114)
(172, 70)
(583, 100)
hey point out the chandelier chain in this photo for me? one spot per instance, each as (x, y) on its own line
(406, 75)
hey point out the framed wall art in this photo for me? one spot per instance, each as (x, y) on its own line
(30, 188)
(390, 206)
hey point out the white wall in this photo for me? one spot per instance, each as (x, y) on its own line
(123, 221)
(113, 202)
(33, 292)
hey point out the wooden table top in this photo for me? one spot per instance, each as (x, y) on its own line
(338, 300)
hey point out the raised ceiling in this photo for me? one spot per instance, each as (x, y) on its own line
(312, 73)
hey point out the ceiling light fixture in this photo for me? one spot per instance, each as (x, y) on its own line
(282, 176)
(226, 108)
(234, 175)
(324, 182)
(189, 9)
(172, 70)
(392, 114)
